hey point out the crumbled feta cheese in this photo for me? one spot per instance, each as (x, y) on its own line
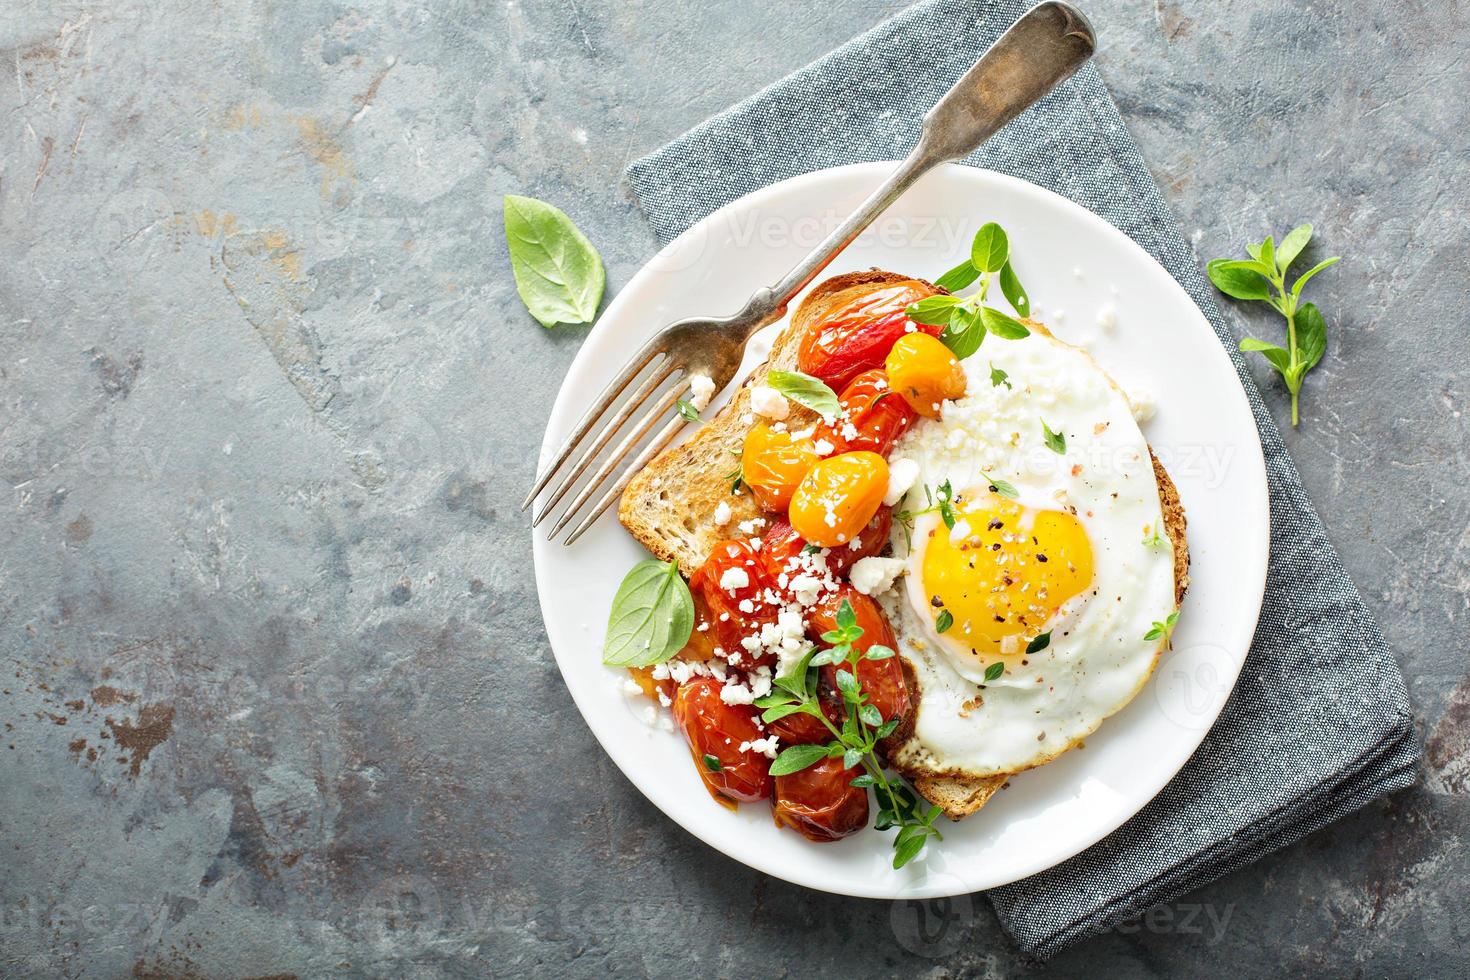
(901, 476)
(874, 576)
(823, 447)
(961, 530)
(734, 578)
(806, 588)
(722, 514)
(751, 526)
(1107, 318)
(765, 746)
(1143, 404)
(767, 401)
(701, 390)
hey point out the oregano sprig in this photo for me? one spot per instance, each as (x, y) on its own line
(966, 320)
(1263, 277)
(857, 740)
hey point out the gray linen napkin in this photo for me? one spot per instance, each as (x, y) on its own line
(1318, 724)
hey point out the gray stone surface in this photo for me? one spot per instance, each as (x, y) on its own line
(276, 696)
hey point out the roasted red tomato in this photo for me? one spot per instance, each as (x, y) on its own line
(820, 803)
(730, 589)
(882, 680)
(858, 335)
(781, 543)
(804, 729)
(715, 730)
(878, 413)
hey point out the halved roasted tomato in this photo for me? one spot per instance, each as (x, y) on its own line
(858, 335)
(820, 802)
(873, 417)
(715, 731)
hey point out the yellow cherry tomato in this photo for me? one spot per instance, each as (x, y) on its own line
(925, 372)
(838, 498)
(773, 463)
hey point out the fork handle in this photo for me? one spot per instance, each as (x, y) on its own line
(1041, 50)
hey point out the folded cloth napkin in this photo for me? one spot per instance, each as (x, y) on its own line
(1318, 724)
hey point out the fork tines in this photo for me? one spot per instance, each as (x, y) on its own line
(589, 439)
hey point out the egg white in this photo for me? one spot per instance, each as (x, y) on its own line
(1098, 658)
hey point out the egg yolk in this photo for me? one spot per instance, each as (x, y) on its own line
(1002, 573)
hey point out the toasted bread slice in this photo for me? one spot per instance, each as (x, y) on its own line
(669, 506)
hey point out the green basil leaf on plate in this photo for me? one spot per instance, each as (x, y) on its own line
(652, 616)
(805, 390)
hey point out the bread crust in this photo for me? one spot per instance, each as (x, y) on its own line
(669, 506)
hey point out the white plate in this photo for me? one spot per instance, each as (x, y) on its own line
(1075, 266)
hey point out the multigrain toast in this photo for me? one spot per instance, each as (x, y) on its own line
(669, 506)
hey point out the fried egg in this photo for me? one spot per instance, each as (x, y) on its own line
(1028, 599)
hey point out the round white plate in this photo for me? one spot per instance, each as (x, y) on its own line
(1078, 269)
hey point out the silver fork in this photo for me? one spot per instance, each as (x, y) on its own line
(1043, 48)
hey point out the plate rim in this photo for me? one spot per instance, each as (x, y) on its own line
(755, 199)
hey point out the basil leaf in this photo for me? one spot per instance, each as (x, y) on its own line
(994, 670)
(870, 715)
(863, 781)
(805, 390)
(933, 311)
(943, 621)
(886, 729)
(1311, 336)
(1296, 288)
(878, 652)
(957, 278)
(558, 273)
(1276, 355)
(687, 411)
(998, 377)
(1001, 325)
(850, 758)
(652, 616)
(846, 683)
(1013, 291)
(991, 248)
(1039, 642)
(796, 758)
(1238, 279)
(1291, 246)
(1055, 441)
(712, 763)
(963, 332)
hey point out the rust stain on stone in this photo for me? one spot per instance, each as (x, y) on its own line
(1448, 747)
(76, 704)
(79, 530)
(106, 696)
(77, 746)
(154, 725)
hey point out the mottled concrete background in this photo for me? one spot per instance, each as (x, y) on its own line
(276, 695)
